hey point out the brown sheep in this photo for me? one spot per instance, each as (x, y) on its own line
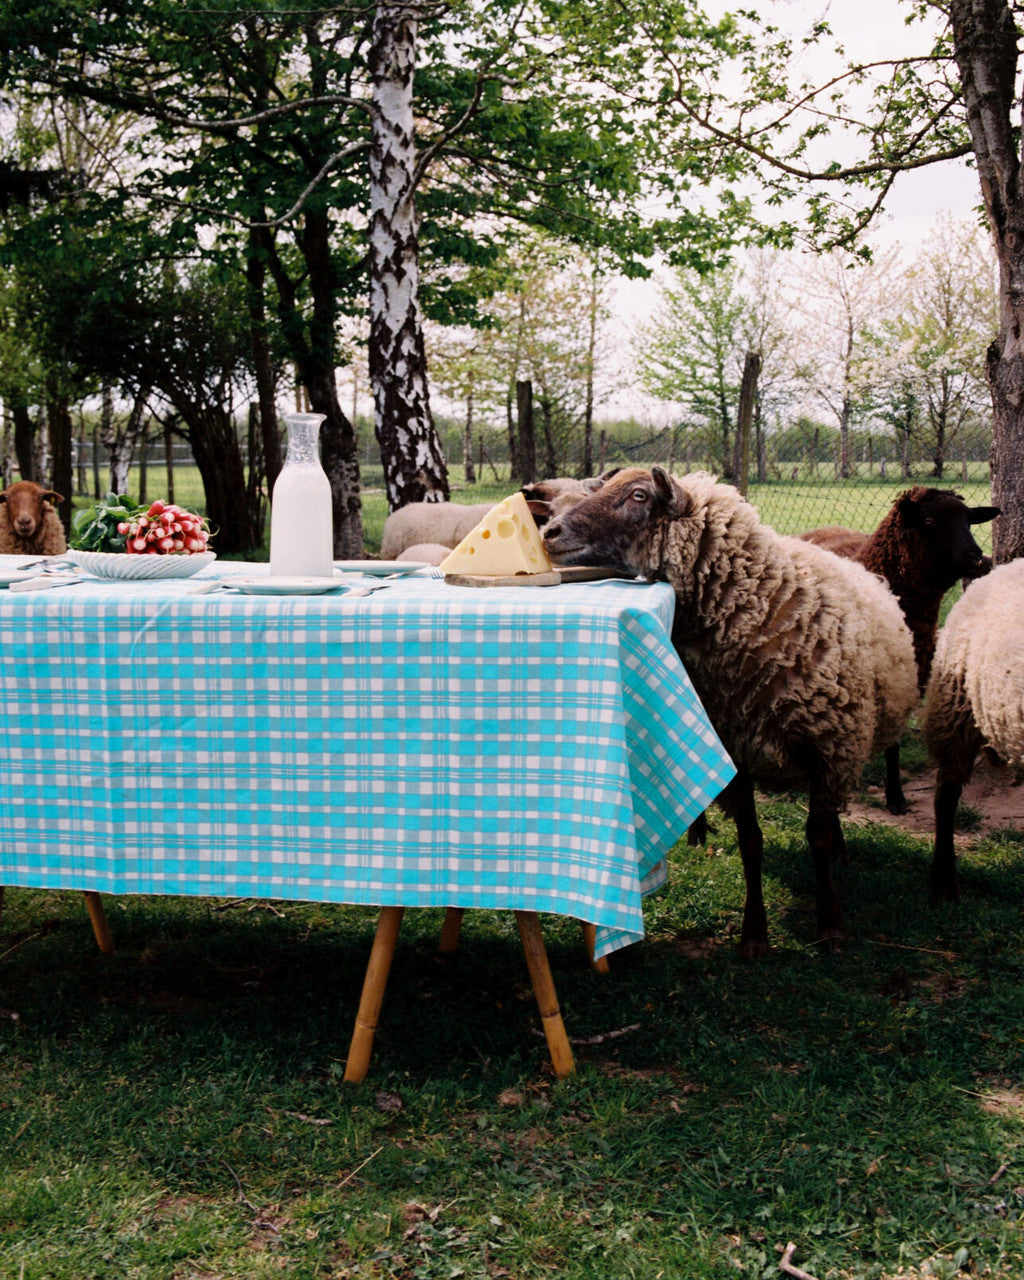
(802, 659)
(922, 547)
(29, 525)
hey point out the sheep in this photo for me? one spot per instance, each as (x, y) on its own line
(430, 526)
(802, 660)
(922, 547)
(425, 552)
(548, 498)
(29, 525)
(442, 523)
(974, 700)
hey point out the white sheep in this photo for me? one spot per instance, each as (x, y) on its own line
(29, 525)
(442, 523)
(430, 526)
(425, 553)
(802, 660)
(974, 700)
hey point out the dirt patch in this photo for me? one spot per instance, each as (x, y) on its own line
(994, 793)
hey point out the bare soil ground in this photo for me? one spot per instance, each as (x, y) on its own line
(994, 793)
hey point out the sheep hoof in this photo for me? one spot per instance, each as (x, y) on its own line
(943, 891)
(754, 948)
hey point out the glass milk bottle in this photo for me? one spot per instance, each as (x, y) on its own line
(301, 524)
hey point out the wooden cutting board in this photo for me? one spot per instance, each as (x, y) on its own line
(553, 578)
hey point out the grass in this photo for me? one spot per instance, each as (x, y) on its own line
(177, 1111)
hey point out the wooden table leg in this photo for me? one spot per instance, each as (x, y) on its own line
(450, 930)
(590, 941)
(100, 928)
(372, 997)
(544, 990)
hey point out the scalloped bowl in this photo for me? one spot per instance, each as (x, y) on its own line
(118, 564)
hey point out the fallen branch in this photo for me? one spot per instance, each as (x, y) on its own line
(997, 1175)
(786, 1264)
(11, 950)
(899, 946)
(297, 1115)
(349, 1176)
(598, 1039)
(258, 1219)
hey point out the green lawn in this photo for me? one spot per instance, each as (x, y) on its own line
(177, 1109)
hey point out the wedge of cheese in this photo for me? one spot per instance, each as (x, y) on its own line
(504, 543)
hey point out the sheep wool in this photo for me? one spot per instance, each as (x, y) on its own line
(975, 696)
(790, 648)
(974, 699)
(442, 523)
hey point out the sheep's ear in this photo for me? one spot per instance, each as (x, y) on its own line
(909, 512)
(676, 503)
(982, 515)
(48, 495)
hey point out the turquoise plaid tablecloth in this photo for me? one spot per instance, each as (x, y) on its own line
(426, 745)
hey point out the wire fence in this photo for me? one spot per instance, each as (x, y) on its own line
(799, 480)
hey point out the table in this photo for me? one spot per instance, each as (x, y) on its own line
(425, 745)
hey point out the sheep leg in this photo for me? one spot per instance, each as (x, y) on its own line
(697, 832)
(944, 884)
(895, 800)
(825, 838)
(738, 802)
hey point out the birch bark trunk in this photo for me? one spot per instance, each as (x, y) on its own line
(414, 464)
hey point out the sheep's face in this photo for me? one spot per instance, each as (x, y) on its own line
(615, 525)
(937, 525)
(27, 504)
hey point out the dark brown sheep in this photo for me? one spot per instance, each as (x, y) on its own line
(922, 547)
(29, 525)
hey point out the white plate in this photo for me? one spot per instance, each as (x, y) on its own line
(381, 568)
(118, 564)
(282, 586)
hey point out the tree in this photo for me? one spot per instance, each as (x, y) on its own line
(843, 302)
(792, 140)
(414, 465)
(261, 124)
(933, 346)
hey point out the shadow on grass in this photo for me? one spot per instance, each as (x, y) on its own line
(177, 1109)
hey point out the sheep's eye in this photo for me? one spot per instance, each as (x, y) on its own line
(929, 519)
(639, 495)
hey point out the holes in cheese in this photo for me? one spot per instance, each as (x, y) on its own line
(504, 543)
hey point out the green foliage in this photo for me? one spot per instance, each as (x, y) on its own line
(95, 528)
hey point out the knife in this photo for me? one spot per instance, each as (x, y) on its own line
(43, 583)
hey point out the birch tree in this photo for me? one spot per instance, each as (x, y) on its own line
(414, 465)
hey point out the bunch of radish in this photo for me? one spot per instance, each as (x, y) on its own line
(165, 530)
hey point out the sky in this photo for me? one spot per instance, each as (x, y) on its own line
(918, 199)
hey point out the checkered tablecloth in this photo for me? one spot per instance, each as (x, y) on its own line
(425, 745)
